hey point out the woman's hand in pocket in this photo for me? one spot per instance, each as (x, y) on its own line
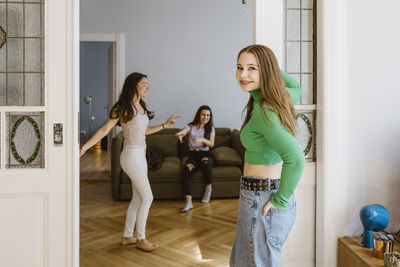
(267, 207)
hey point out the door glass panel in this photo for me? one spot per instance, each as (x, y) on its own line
(15, 62)
(2, 89)
(15, 20)
(3, 60)
(293, 25)
(15, 92)
(32, 92)
(25, 139)
(32, 55)
(22, 53)
(300, 45)
(293, 3)
(32, 20)
(300, 18)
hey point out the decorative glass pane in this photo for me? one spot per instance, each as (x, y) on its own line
(293, 25)
(293, 3)
(305, 133)
(3, 16)
(42, 56)
(15, 54)
(3, 57)
(300, 17)
(307, 85)
(15, 20)
(32, 89)
(32, 55)
(307, 57)
(32, 20)
(296, 77)
(22, 52)
(307, 3)
(307, 25)
(15, 86)
(2, 89)
(293, 57)
(25, 140)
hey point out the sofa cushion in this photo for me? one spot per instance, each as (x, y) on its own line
(222, 131)
(170, 171)
(222, 140)
(224, 155)
(167, 143)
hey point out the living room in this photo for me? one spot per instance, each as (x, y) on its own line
(173, 90)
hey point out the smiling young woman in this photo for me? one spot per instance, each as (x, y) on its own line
(131, 113)
(274, 160)
(201, 138)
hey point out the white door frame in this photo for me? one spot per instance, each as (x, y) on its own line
(332, 129)
(331, 124)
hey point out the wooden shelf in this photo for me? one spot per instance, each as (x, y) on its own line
(351, 253)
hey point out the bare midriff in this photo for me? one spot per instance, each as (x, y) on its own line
(263, 171)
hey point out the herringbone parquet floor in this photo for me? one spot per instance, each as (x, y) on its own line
(201, 237)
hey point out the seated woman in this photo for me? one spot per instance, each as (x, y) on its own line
(201, 138)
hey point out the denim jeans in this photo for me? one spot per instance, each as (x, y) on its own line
(195, 159)
(259, 238)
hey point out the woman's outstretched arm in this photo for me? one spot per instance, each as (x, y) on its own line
(182, 133)
(98, 135)
(153, 129)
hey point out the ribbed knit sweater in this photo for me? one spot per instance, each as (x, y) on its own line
(268, 142)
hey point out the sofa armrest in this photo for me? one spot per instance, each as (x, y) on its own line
(116, 149)
(237, 144)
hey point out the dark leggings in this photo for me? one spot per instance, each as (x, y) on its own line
(195, 159)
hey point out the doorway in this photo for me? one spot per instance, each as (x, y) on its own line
(96, 86)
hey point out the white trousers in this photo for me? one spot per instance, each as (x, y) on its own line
(134, 164)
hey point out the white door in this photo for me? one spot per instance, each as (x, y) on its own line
(287, 28)
(38, 133)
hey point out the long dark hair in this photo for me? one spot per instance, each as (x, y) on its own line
(272, 87)
(124, 109)
(209, 125)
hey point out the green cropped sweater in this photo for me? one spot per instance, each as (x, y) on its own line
(268, 142)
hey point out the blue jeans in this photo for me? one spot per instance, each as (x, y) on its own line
(259, 238)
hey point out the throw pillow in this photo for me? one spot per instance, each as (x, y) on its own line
(224, 155)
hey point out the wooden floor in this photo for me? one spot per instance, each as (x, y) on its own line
(201, 237)
(95, 166)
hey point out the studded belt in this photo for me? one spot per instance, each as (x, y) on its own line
(255, 184)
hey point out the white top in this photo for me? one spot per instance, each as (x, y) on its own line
(195, 132)
(135, 131)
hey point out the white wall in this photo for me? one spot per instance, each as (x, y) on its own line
(374, 116)
(187, 48)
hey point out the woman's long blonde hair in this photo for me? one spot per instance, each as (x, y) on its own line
(272, 86)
